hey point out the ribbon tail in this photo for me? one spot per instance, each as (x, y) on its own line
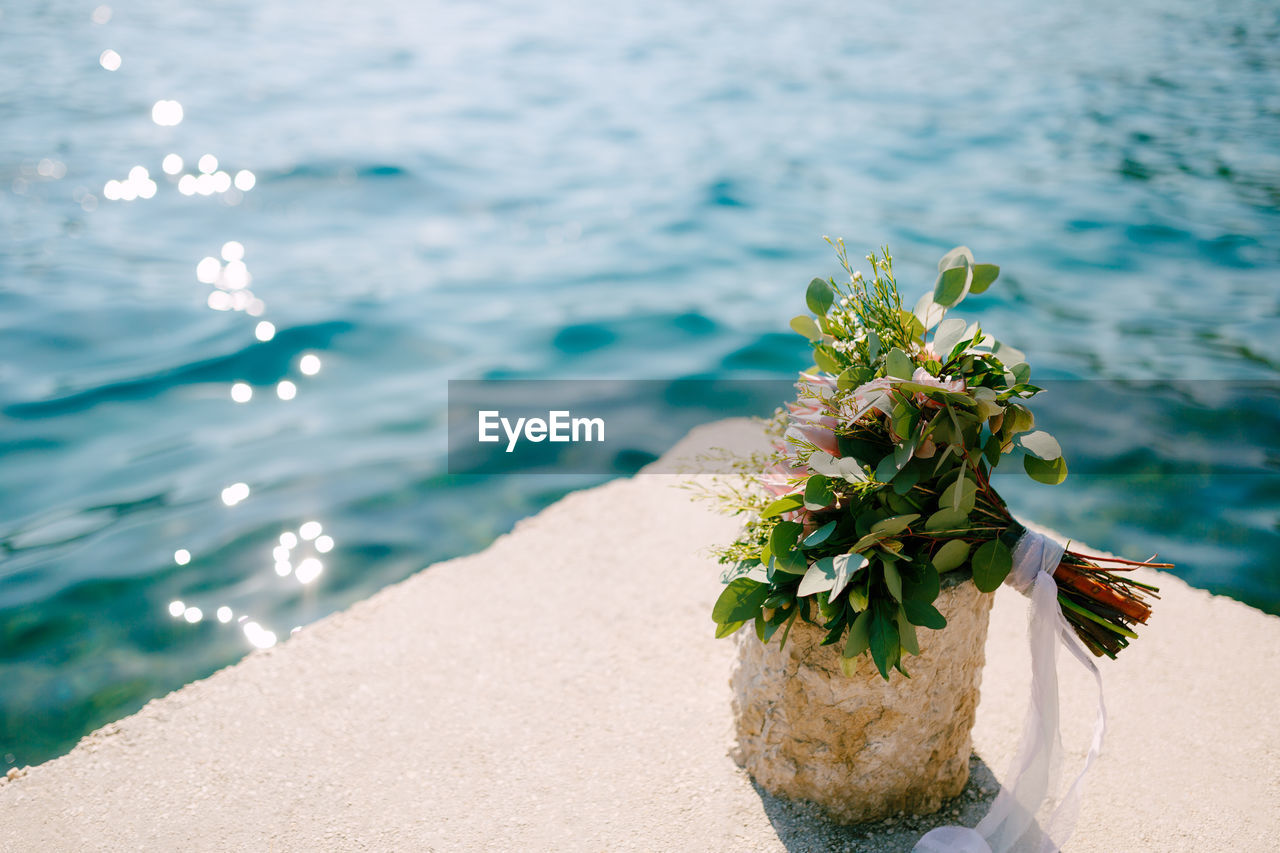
(1010, 824)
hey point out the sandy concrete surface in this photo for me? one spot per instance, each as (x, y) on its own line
(562, 691)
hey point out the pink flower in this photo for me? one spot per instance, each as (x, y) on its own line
(922, 377)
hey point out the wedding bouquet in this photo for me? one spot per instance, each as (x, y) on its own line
(880, 479)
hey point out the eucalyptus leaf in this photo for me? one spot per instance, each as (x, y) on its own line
(984, 275)
(1041, 445)
(925, 586)
(960, 256)
(729, 628)
(929, 312)
(1050, 472)
(898, 364)
(895, 524)
(817, 493)
(947, 519)
(783, 504)
(819, 297)
(950, 332)
(820, 535)
(804, 325)
(820, 577)
(951, 286)
(991, 564)
(739, 601)
(951, 555)
(845, 565)
(960, 495)
(828, 362)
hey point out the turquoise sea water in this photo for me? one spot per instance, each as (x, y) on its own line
(572, 189)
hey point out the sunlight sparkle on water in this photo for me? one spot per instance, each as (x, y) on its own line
(310, 364)
(308, 570)
(101, 14)
(176, 608)
(235, 493)
(288, 540)
(224, 614)
(235, 276)
(310, 530)
(241, 392)
(245, 180)
(172, 164)
(182, 556)
(265, 330)
(167, 113)
(193, 614)
(324, 544)
(109, 60)
(286, 390)
(208, 270)
(187, 184)
(233, 250)
(259, 636)
(207, 164)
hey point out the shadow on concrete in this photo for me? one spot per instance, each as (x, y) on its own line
(802, 829)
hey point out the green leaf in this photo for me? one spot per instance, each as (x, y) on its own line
(782, 543)
(907, 632)
(924, 614)
(728, 628)
(960, 495)
(828, 362)
(740, 601)
(857, 594)
(947, 519)
(951, 555)
(898, 364)
(804, 325)
(1052, 472)
(873, 344)
(924, 587)
(859, 639)
(983, 277)
(893, 581)
(928, 312)
(845, 565)
(883, 634)
(950, 332)
(820, 577)
(960, 256)
(820, 535)
(912, 324)
(950, 287)
(1040, 445)
(895, 524)
(819, 297)
(991, 564)
(783, 504)
(817, 491)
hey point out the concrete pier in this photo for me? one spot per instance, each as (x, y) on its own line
(562, 690)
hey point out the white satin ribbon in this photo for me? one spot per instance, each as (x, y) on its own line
(1011, 824)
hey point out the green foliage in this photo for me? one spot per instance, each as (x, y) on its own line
(926, 406)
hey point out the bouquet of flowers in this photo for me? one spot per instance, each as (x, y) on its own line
(880, 479)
